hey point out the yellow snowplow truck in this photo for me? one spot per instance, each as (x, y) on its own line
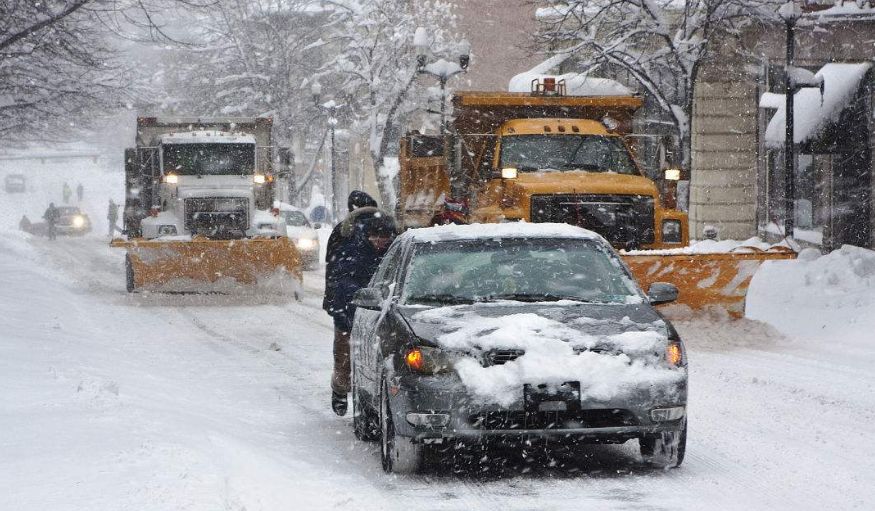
(549, 157)
(198, 206)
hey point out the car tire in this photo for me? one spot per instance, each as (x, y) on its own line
(399, 455)
(365, 421)
(665, 450)
(129, 275)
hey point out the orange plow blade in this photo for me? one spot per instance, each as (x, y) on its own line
(160, 264)
(705, 280)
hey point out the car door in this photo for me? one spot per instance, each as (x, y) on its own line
(364, 341)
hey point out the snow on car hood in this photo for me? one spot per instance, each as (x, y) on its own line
(611, 350)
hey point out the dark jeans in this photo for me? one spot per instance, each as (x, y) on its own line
(340, 376)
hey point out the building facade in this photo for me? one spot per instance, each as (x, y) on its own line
(738, 180)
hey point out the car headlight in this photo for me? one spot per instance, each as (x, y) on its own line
(166, 230)
(427, 360)
(305, 243)
(78, 221)
(671, 231)
(258, 179)
(266, 227)
(171, 179)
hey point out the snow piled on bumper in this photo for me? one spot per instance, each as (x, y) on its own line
(608, 367)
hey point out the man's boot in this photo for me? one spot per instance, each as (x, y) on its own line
(338, 403)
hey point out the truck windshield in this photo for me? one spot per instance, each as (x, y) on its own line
(591, 153)
(521, 269)
(209, 159)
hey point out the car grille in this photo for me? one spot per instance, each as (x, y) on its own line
(499, 357)
(210, 213)
(566, 419)
(626, 221)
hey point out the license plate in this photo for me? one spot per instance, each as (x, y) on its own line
(552, 398)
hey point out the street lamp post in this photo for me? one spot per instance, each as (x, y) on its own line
(790, 13)
(330, 109)
(442, 69)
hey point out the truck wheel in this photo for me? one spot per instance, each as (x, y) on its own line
(665, 450)
(129, 274)
(398, 454)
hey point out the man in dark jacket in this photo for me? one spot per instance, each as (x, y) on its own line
(358, 257)
(361, 206)
(51, 216)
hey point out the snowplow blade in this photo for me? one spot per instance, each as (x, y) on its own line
(169, 265)
(705, 280)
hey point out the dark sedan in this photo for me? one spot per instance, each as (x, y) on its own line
(514, 332)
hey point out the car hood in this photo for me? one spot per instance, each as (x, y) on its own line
(298, 232)
(591, 326)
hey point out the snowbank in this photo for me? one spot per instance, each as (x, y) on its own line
(607, 367)
(815, 297)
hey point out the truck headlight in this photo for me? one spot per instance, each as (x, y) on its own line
(78, 221)
(258, 179)
(509, 173)
(166, 230)
(171, 179)
(671, 231)
(305, 243)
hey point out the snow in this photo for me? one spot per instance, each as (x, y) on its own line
(492, 231)
(554, 353)
(816, 296)
(576, 84)
(712, 247)
(811, 112)
(203, 402)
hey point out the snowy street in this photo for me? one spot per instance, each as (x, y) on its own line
(160, 401)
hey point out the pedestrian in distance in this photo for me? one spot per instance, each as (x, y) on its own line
(51, 216)
(67, 192)
(79, 192)
(25, 224)
(361, 206)
(112, 217)
(358, 256)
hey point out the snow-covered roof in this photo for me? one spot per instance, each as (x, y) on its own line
(207, 137)
(576, 84)
(811, 113)
(492, 231)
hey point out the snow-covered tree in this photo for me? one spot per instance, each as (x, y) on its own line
(56, 59)
(660, 44)
(378, 69)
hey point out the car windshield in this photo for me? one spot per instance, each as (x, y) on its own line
(295, 218)
(209, 159)
(591, 153)
(522, 269)
(68, 211)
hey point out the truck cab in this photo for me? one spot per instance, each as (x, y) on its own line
(541, 158)
(204, 182)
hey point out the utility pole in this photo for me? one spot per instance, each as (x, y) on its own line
(790, 13)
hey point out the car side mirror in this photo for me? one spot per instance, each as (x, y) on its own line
(368, 298)
(317, 225)
(662, 292)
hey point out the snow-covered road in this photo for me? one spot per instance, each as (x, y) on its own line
(113, 401)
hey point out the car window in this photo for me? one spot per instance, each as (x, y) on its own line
(295, 218)
(516, 269)
(385, 274)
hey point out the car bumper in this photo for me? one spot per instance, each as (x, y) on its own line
(70, 230)
(619, 419)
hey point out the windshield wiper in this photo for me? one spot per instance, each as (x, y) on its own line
(440, 298)
(533, 297)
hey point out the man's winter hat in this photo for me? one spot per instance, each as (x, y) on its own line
(359, 199)
(379, 224)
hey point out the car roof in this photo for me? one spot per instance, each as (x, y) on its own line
(493, 231)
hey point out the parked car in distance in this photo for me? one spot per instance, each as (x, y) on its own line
(15, 183)
(514, 332)
(73, 221)
(306, 239)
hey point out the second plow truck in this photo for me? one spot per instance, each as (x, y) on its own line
(198, 206)
(549, 157)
